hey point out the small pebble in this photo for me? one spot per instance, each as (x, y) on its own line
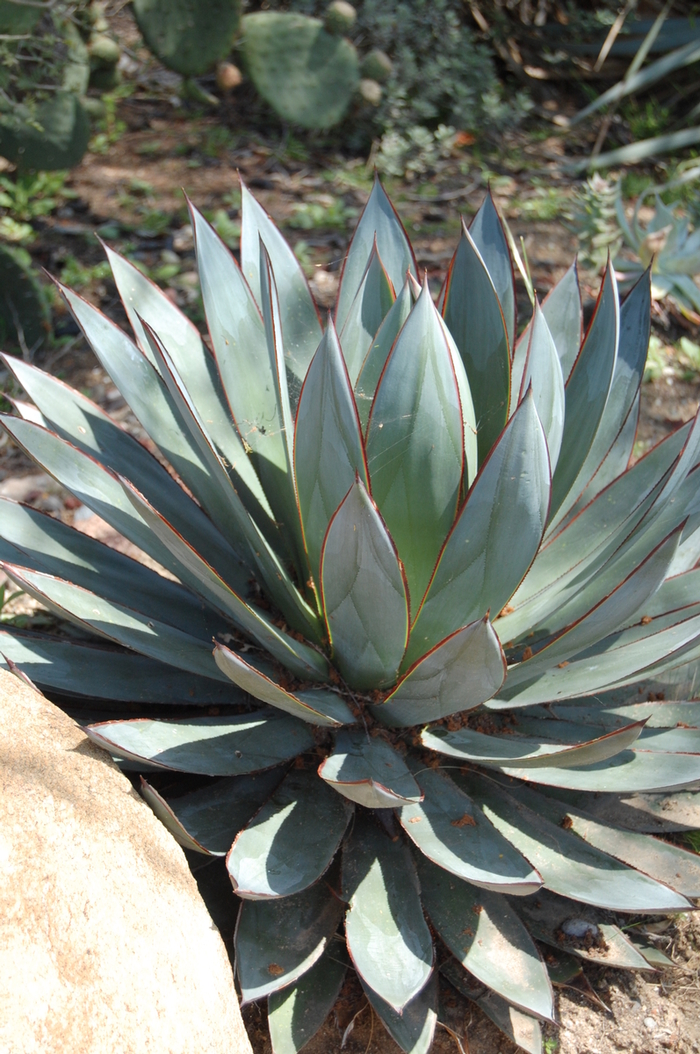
(580, 928)
(650, 1023)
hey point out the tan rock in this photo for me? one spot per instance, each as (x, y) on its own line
(105, 944)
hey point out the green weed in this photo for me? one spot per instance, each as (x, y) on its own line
(78, 276)
(325, 212)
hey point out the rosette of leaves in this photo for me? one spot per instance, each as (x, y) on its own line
(44, 72)
(594, 219)
(402, 553)
(669, 245)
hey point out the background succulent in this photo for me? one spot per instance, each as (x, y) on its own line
(669, 244)
(418, 547)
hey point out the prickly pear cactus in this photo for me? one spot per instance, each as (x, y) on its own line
(306, 74)
(23, 309)
(43, 124)
(377, 66)
(54, 136)
(188, 36)
(340, 17)
(17, 17)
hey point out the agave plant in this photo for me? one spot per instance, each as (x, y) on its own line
(669, 245)
(396, 555)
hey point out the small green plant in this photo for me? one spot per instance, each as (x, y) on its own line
(681, 360)
(324, 211)
(34, 194)
(6, 599)
(110, 127)
(416, 151)
(226, 228)
(646, 119)
(79, 276)
(692, 839)
(542, 204)
(594, 219)
(667, 243)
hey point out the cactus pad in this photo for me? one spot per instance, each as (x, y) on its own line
(18, 17)
(306, 75)
(54, 137)
(188, 36)
(24, 318)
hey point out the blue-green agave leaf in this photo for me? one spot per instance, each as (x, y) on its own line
(301, 326)
(207, 820)
(95, 672)
(378, 222)
(388, 939)
(278, 941)
(364, 594)
(125, 625)
(485, 934)
(279, 481)
(551, 917)
(605, 617)
(619, 659)
(319, 706)
(636, 771)
(675, 867)
(473, 315)
(43, 543)
(372, 302)
(568, 865)
(459, 673)
(587, 391)
(479, 567)
(542, 372)
(415, 443)
(246, 534)
(615, 461)
(328, 447)
(490, 239)
(303, 660)
(575, 554)
(383, 342)
(522, 1029)
(369, 771)
(635, 321)
(528, 751)
(449, 829)
(296, 1013)
(146, 393)
(414, 1028)
(145, 302)
(88, 429)
(562, 311)
(210, 746)
(291, 841)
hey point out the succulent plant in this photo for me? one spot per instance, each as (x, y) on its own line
(669, 245)
(188, 36)
(377, 66)
(43, 75)
(306, 73)
(24, 315)
(418, 554)
(340, 17)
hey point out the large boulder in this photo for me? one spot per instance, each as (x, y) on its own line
(105, 944)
